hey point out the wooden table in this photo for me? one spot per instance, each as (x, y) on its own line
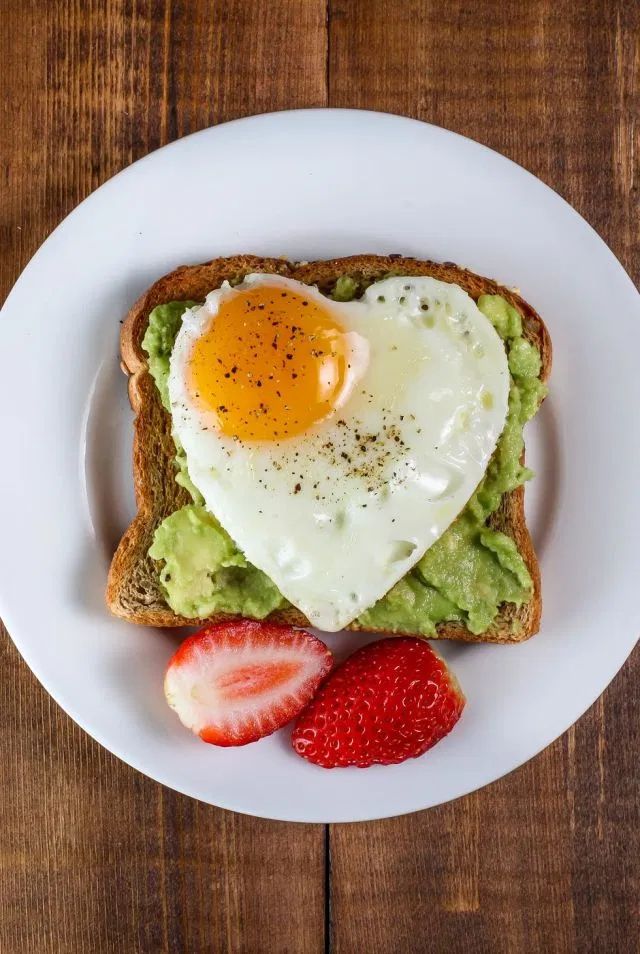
(96, 858)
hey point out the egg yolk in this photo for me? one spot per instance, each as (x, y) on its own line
(270, 364)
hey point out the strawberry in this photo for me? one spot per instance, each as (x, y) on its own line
(390, 701)
(232, 683)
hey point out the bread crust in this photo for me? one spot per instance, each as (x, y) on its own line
(133, 587)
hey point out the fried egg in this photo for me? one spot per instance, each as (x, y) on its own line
(336, 441)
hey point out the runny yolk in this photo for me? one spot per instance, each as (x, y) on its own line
(270, 364)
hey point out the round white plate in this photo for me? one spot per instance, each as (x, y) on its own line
(315, 184)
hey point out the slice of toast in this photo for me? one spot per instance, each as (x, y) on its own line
(133, 588)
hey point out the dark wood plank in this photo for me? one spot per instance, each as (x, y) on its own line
(94, 857)
(548, 858)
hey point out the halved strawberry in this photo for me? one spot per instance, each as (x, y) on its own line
(390, 701)
(232, 683)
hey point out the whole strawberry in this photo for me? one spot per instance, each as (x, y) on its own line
(390, 701)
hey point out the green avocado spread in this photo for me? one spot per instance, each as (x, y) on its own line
(466, 575)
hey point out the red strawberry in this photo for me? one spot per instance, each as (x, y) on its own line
(232, 683)
(392, 700)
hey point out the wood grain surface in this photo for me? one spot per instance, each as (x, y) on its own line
(93, 856)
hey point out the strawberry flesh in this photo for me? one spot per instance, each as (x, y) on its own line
(233, 683)
(390, 701)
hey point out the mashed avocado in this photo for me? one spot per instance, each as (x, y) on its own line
(466, 575)
(205, 573)
(159, 338)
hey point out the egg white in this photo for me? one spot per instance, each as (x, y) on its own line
(337, 515)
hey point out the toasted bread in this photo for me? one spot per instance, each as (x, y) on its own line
(133, 589)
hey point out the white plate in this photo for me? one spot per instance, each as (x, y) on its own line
(315, 183)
